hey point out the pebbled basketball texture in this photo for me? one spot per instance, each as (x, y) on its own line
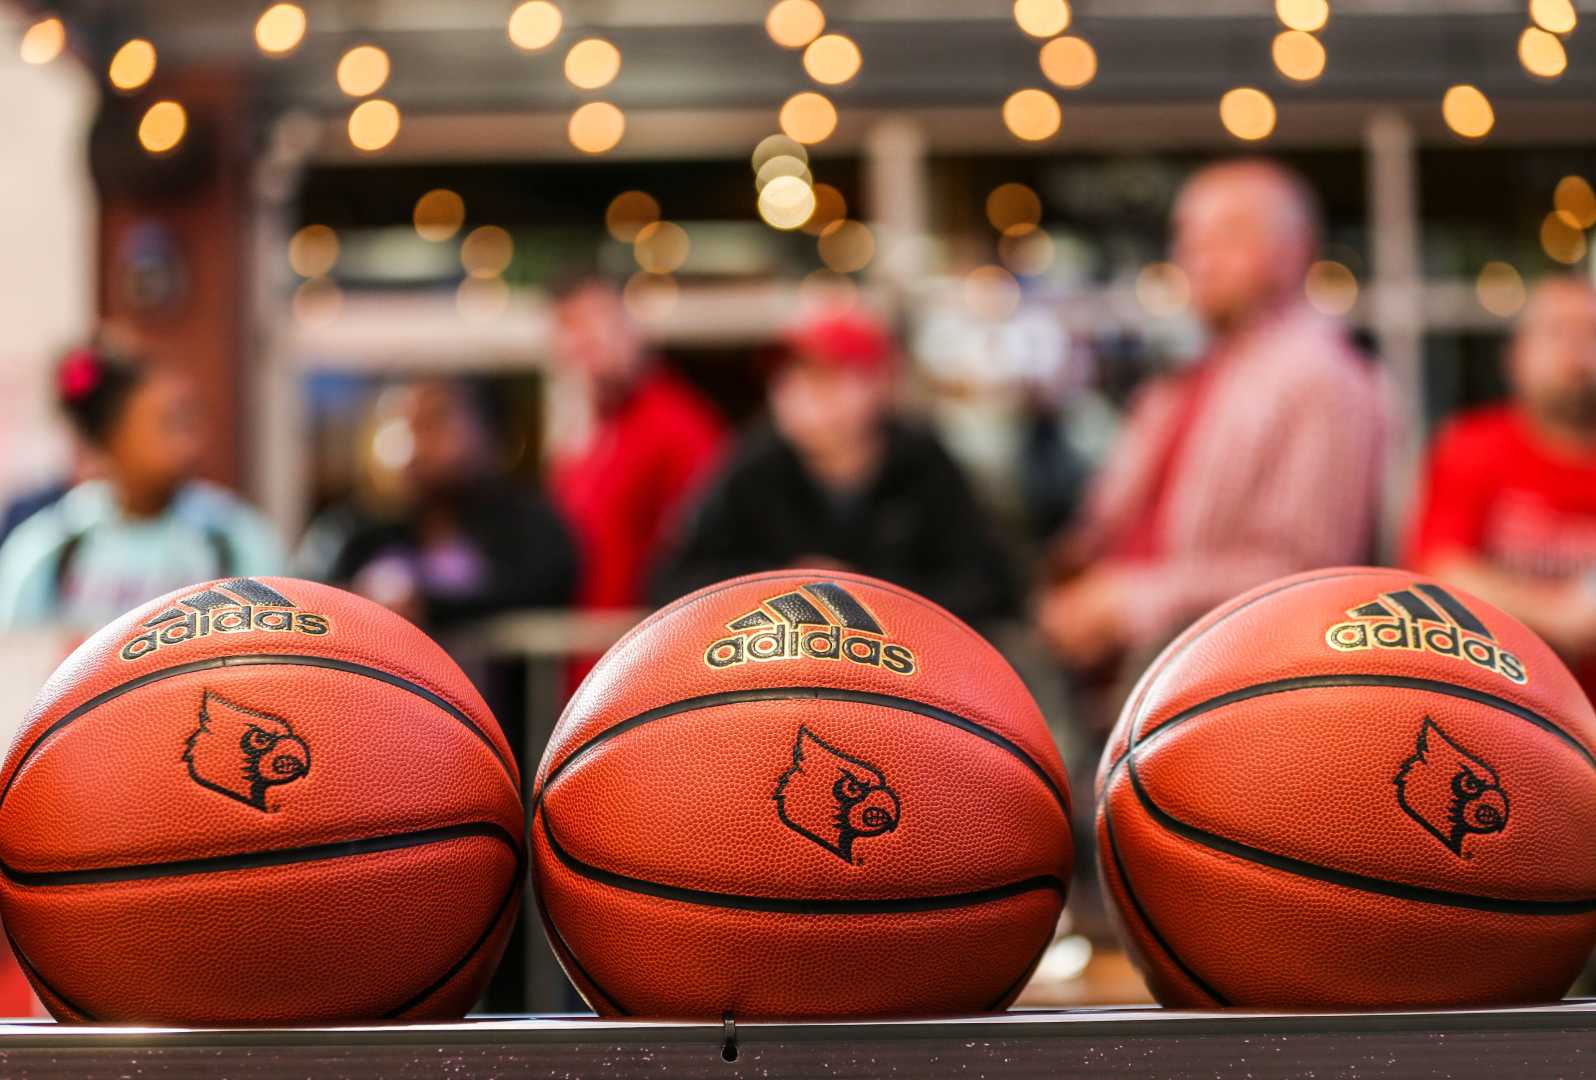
(1353, 788)
(259, 801)
(731, 818)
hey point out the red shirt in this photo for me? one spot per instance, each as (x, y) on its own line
(1495, 490)
(622, 492)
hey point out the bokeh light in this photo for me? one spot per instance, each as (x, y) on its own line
(482, 299)
(133, 65)
(363, 70)
(1070, 62)
(628, 212)
(1032, 115)
(1247, 113)
(1162, 289)
(592, 63)
(317, 301)
(1467, 111)
(990, 292)
(832, 59)
(1305, 15)
(43, 41)
(1331, 287)
(1500, 289)
(782, 165)
(534, 25)
(1042, 18)
(792, 24)
(313, 251)
(1541, 53)
(486, 251)
(786, 202)
(1027, 253)
(777, 146)
(809, 117)
(661, 247)
(847, 246)
(280, 29)
(438, 215)
(829, 206)
(163, 127)
(373, 124)
(596, 127)
(1554, 16)
(1298, 55)
(650, 296)
(1575, 202)
(1013, 208)
(1561, 241)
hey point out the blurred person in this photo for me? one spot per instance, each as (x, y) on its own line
(837, 479)
(1261, 459)
(653, 443)
(1508, 506)
(462, 539)
(146, 525)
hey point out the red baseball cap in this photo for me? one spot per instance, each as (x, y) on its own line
(843, 337)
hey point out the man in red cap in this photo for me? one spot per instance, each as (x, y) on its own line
(837, 479)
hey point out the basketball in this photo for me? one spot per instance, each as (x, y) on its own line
(800, 794)
(1353, 788)
(259, 801)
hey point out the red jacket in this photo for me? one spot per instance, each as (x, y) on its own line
(622, 492)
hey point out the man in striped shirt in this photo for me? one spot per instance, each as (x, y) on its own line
(1260, 459)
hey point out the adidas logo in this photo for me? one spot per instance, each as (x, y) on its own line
(1424, 617)
(225, 608)
(818, 621)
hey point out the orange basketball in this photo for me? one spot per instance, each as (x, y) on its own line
(800, 794)
(1353, 788)
(259, 801)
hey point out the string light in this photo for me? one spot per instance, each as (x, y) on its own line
(786, 202)
(808, 117)
(486, 251)
(1042, 18)
(313, 251)
(792, 24)
(1305, 15)
(133, 65)
(534, 25)
(482, 299)
(1032, 115)
(1298, 55)
(1247, 113)
(847, 246)
(373, 124)
(592, 63)
(438, 215)
(1013, 208)
(991, 292)
(362, 70)
(628, 212)
(1541, 53)
(1500, 289)
(1561, 241)
(1028, 253)
(43, 41)
(772, 146)
(661, 247)
(829, 206)
(832, 59)
(780, 166)
(650, 296)
(1070, 62)
(596, 127)
(1467, 111)
(280, 29)
(317, 301)
(1331, 287)
(1575, 202)
(1554, 16)
(163, 127)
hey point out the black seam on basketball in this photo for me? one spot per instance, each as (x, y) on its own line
(1147, 920)
(34, 973)
(1314, 682)
(1158, 664)
(820, 693)
(1013, 989)
(564, 953)
(783, 905)
(516, 877)
(253, 660)
(1346, 878)
(251, 860)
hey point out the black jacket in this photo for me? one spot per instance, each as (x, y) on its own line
(917, 524)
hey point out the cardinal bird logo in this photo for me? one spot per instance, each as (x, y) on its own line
(833, 798)
(241, 752)
(1449, 791)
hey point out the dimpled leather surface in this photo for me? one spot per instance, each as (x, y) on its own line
(687, 853)
(147, 879)
(1283, 823)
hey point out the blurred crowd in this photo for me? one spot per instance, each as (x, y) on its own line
(1261, 456)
